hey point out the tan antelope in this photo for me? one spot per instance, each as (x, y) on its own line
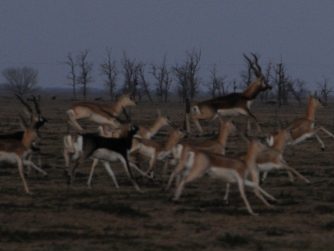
(304, 128)
(156, 151)
(230, 170)
(272, 157)
(144, 132)
(102, 114)
(15, 150)
(217, 145)
(233, 104)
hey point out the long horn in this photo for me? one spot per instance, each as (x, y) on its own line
(24, 103)
(37, 108)
(259, 70)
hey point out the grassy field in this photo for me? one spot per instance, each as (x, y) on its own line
(58, 217)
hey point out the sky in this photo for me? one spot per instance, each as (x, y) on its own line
(40, 34)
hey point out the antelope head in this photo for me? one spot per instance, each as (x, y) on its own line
(261, 80)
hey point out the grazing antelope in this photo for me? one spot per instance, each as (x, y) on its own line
(99, 113)
(90, 145)
(304, 128)
(228, 169)
(272, 157)
(38, 121)
(217, 146)
(156, 151)
(233, 104)
(16, 150)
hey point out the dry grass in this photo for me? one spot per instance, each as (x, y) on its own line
(58, 217)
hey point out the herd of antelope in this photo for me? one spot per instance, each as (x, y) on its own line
(121, 140)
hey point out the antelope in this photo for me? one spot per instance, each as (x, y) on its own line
(272, 157)
(38, 121)
(99, 113)
(304, 127)
(144, 132)
(157, 151)
(215, 146)
(99, 148)
(15, 150)
(233, 104)
(228, 169)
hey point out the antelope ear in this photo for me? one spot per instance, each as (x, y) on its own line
(159, 112)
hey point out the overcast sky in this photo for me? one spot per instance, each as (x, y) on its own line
(40, 33)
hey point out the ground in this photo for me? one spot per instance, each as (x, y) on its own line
(59, 217)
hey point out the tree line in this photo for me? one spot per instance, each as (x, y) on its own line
(157, 82)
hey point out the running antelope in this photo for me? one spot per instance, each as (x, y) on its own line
(91, 145)
(38, 121)
(16, 150)
(272, 157)
(228, 169)
(156, 151)
(217, 146)
(233, 104)
(144, 132)
(304, 128)
(99, 113)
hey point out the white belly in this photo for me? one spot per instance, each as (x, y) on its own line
(8, 157)
(105, 154)
(302, 138)
(228, 175)
(231, 112)
(268, 166)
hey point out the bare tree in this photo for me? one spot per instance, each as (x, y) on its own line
(130, 72)
(217, 85)
(109, 70)
(187, 75)
(324, 89)
(85, 69)
(21, 80)
(163, 80)
(281, 81)
(72, 76)
(144, 86)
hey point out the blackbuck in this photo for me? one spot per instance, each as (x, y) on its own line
(101, 114)
(90, 145)
(16, 147)
(157, 151)
(38, 121)
(230, 170)
(304, 127)
(217, 146)
(272, 157)
(233, 104)
(144, 132)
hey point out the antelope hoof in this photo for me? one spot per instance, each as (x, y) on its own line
(323, 149)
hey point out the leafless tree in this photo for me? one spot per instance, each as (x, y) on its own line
(187, 75)
(21, 80)
(109, 70)
(281, 81)
(72, 76)
(144, 86)
(217, 85)
(85, 69)
(324, 89)
(130, 72)
(163, 80)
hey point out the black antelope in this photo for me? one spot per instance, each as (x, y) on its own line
(90, 145)
(233, 104)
